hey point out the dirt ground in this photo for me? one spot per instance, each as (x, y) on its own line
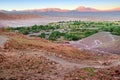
(23, 58)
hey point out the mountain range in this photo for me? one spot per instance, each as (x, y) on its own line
(79, 9)
(85, 13)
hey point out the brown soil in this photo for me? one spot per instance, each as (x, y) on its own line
(19, 66)
(94, 74)
(24, 58)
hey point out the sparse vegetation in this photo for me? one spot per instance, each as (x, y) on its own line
(27, 63)
(90, 71)
(55, 35)
(71, 30)
(99, 74)
(42, 35)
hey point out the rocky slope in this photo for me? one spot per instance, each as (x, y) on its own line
(89, 73)
(24, 58)
(102, 42)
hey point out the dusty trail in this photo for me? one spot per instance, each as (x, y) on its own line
(67, 64)
(3, 39)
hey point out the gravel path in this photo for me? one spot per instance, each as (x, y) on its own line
(67, 64)
(3, 39)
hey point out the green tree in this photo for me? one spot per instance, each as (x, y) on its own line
(24, 31)
(42, 35)
(69, 36)
(54, 35)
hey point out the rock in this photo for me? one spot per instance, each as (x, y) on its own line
(104, 63)
(60, 56)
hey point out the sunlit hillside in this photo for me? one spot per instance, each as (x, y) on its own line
(59, 40)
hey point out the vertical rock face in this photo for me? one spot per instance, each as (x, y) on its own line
(102, 41)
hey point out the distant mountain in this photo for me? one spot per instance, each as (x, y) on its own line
(4, 16)
(80, 12)
(58, 10)
(78, 9)
(48, 10)
(116, 9)
(86, 9)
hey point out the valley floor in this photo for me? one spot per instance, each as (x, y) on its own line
(45, 20)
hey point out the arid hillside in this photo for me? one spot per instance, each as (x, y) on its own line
(101, 42)
(23, 57)
(20, 42)
(4, 16)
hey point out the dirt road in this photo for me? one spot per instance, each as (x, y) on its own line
(67, 64)
(3, 39)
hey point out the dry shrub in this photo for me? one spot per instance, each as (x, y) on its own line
(20, 42)
(3, 30)
(2, 58)
(25, 65)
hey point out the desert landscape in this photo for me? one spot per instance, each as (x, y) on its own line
(35, 58)
(60, 43)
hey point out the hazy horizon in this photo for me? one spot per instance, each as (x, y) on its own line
(70, 5)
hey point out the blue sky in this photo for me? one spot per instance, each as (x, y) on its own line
(63, 4)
